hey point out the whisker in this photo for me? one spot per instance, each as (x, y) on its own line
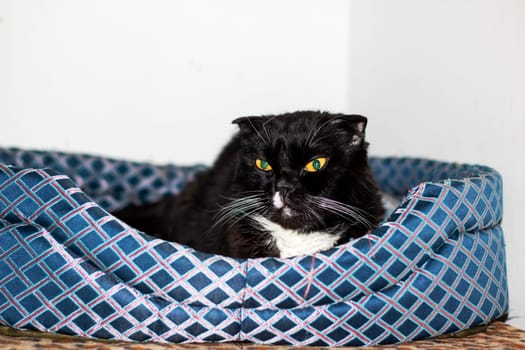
(235, 219)
(346, 211)
(243, 195)
(319, 140)
(350, 212)
(269, 120)
(258, 133)
(314, 132)
(315, 214)
(266, 132)
(238, 209)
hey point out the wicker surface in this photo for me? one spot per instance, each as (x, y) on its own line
(498, 335)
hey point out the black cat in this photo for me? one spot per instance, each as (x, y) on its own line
(285, 185)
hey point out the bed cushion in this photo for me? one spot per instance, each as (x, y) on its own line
(436, 265)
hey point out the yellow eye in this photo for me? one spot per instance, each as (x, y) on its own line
(263, 165)
(316, 164)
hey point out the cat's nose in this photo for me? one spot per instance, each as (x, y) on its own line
(283, 187)
(282, 192)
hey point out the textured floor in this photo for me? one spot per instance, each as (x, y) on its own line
(496, 336)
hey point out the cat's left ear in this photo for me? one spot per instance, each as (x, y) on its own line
(354, 123)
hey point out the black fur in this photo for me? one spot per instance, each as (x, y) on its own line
(202, 216)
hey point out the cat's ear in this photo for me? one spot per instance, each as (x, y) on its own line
(355, 123)
(251, 123)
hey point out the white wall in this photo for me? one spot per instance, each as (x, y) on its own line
(140, 79)
(446, 80)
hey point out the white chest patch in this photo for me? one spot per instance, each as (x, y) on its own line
(292, 243)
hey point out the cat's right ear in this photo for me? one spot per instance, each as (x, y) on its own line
(251, 123)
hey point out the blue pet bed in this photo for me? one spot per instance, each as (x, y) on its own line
(435, 266)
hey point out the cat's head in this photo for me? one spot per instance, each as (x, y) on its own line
(308, 169)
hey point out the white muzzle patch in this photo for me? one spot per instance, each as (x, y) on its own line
(277, 200)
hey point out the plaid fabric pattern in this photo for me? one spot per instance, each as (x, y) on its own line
(436, 265)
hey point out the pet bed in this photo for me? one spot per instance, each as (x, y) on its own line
(435, 266)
